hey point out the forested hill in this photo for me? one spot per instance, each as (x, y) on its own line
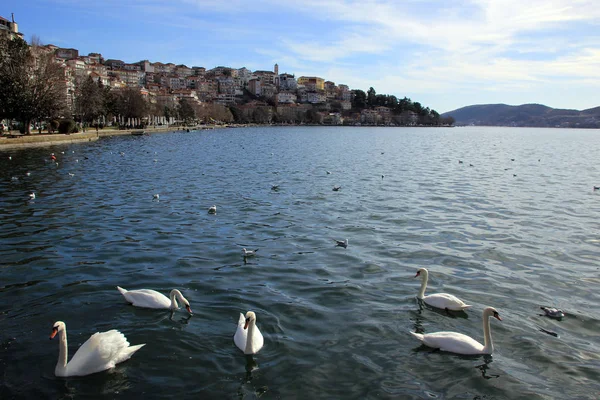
(525, 115)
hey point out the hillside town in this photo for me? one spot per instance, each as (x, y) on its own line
(229, 94)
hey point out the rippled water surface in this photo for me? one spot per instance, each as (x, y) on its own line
(515, 226)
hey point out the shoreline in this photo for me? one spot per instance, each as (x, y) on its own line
(46, 139)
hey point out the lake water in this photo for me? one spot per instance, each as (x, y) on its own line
(515, 235)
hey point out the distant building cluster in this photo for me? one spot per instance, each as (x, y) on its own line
(167, 83)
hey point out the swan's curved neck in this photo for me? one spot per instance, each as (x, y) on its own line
(250, 338)
(425, 277)
(488, 345)
(63, 354)
(174, 304)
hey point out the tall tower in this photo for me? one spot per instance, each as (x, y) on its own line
(276, 70)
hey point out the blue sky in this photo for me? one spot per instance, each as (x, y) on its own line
(443, 54)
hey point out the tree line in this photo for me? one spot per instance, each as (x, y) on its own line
(426, 116)
(34, 90)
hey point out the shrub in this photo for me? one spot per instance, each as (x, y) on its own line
(67, 126)
(54, 124)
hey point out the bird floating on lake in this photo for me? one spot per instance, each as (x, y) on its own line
(275, 187)
(553, 312)
(328, 172)
(459, 343)
(444, 301)
(336, 188)
(248, 253)
(247, 335)
(10, 157)
(156, 196)
(148, 298)
(460, 161)
(31, 196)
(102, 351)
(28, 174)
(596, 187)
(70, 174)
(341, 243)
(14, 178)
(212, 210)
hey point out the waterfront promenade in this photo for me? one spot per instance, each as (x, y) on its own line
(13, 141)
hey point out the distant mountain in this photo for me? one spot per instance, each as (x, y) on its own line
(525, 115)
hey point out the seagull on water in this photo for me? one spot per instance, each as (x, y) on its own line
(156, 196)
(212, 210)
(248, 253)
(341, 243)
(275, 187)
(70, 174)
(328, 173)
(553, 312)
(28, 174)
(31, 196)
(336, 188)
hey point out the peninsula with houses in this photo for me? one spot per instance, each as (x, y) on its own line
(98, 91)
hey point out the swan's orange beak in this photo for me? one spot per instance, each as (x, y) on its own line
(189, 309)
(54, 332)
(247, 322)
(497, 316)
(418, 273)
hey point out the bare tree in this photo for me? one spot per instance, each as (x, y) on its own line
(32, 82)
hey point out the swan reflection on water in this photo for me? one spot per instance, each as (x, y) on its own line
(247, 388)
(487, 360)
(107, 383)
(446, 313)
(183, 320)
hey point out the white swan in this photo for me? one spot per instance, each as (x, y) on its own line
(212, 210)
(444, 301)
(247, 336)
(102, 351)
(148, 298)
(455, 342)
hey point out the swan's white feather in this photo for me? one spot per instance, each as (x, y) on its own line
(445, 300)
(241, 337)
(102, 351)
(241, 334)
(146, 298)
(453, 342)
